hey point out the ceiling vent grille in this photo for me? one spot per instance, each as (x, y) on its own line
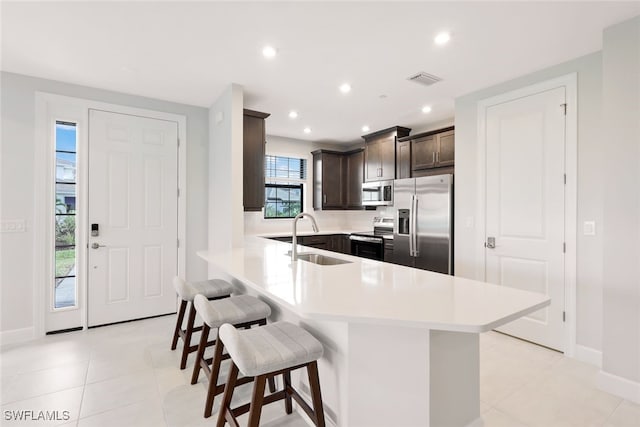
(424, 78)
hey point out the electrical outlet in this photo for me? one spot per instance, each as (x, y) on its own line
(13, 226)
(589, 228)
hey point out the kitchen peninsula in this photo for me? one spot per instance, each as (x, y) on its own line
(401, 344)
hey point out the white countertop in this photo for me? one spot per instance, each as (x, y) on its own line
(368, 291)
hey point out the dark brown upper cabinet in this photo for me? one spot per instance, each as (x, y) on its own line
(337, 179)
(254, 140)
(355, 178)
(427, 151)
(403, 160)
(380, 153)
(328, 180)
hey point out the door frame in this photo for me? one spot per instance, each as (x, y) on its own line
(570, 82)
(50, 107)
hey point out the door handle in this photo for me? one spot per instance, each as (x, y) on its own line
(490, 243)
(97, 246)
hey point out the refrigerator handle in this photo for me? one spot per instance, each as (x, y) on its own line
(414, 226)
(411, 227)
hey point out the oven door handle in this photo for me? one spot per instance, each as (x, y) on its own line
(366, 239)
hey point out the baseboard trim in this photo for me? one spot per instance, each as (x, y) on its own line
(619, 386)
(14, 336)
(588, 355)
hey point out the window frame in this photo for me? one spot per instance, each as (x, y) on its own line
(291, 186)
(66, 213)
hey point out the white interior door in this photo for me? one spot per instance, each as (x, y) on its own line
(525, 190)
(133, 182)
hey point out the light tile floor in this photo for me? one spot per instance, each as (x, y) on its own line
(125, 375)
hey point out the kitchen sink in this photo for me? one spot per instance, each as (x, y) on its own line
(321, 259)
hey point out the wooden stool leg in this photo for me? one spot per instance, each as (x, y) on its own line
(272, 384)
(176, 332)
(256, 401)
(187, 338)
(200, 355)
(225, 409)
(213, 378)
(316, 397)
(287, 386)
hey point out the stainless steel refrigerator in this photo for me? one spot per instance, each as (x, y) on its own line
(423, 226)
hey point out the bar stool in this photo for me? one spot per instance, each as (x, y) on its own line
(243, 311)
(263, 353)
(212, 289)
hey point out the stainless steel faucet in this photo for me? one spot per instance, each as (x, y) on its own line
(294, 238)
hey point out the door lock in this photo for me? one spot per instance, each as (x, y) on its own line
(490, 243)
(96, 246)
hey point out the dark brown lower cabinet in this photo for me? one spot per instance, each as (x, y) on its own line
(388, 250)
(330, 242)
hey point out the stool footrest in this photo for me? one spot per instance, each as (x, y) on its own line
(274, 397)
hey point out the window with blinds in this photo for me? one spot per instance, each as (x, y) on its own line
(284, 191)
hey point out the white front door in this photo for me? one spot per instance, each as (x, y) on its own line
(525, 190)
(132, 199)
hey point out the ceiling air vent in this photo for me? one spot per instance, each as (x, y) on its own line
(424, 79)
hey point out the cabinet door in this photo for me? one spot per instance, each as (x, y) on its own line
(446, 149)
(372, 161)
(403, 160)
(253, 162)
(332, 183)
(423, 152)
(355, 177)
(387, 152)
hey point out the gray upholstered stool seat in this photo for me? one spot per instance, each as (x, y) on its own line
(262, 353)
(211, 289)
(271, 348)
(243, 311)
(234, 310)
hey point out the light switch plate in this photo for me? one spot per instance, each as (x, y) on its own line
(13, 226)
(589, 228)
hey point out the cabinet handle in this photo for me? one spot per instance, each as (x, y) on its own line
(324, 198)
(433, 157)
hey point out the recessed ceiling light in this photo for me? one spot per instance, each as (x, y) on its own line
(269, 51)
(307, 130)
(365, 128)
(442, 38)
(426, 109)
(345, 88)
(293, 114)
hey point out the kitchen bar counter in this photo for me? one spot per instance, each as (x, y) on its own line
(367, 291)
(401, 344)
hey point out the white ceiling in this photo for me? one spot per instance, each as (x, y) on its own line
(188, 53)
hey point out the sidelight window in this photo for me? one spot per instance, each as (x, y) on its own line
(65, 294)
(284, 186)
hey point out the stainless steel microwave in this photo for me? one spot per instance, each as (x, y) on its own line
(378, 193)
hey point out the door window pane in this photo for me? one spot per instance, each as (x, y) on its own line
(64, 292)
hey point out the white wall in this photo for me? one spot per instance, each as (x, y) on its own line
(226, 226)
(327, 220)
(621, 164)
(591, 149)
(17, 172)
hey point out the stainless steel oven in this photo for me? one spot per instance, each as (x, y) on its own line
(379, 193)
(370, 244)
(367, 246)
